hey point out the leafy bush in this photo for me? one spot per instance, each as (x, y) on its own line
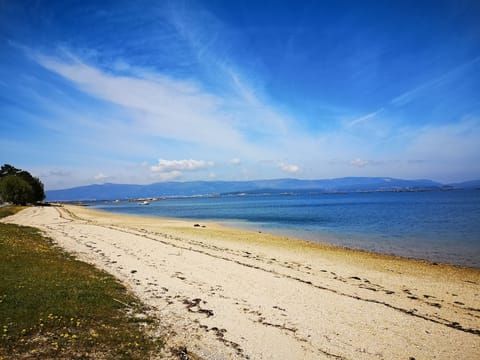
(15, 190)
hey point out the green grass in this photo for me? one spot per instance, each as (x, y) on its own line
(53, 306)
(9, 210)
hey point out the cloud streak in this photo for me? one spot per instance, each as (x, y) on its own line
(445, 78)
(365, 118)
(159, 105)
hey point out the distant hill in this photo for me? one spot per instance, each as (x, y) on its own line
(129, 191)
(474, 184)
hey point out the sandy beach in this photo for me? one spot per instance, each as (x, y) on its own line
(234, 294)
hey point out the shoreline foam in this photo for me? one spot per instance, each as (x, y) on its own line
(238, 294)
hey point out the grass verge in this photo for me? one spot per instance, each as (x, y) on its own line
(9, 210)
(54, 306)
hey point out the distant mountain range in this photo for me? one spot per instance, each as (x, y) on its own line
(168, 189)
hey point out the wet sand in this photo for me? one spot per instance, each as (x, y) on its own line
(236, 294)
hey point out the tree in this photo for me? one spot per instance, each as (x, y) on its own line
(7, 169)
(36, 192)
(15, 190)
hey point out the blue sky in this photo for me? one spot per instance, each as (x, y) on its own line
(147, 91)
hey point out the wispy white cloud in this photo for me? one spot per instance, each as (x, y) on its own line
(168, 176)
(448, 76)
(235, 161)
(365, 118)
(289, 168)
(158, 105)
(168, 170)
(59, 173)
(181, 165)
(359, 163)
(448, 143)
(213, 44)
(100, 177)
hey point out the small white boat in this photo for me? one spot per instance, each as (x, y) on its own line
(144, 203)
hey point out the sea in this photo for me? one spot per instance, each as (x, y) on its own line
(440, 226)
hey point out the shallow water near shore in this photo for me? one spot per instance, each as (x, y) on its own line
(442, 226)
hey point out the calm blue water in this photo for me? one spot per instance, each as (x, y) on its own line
(438, 226)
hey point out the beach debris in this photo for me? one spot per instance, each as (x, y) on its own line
(181, 353)
(194, 306)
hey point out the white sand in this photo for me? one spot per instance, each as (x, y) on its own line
(235, 294)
